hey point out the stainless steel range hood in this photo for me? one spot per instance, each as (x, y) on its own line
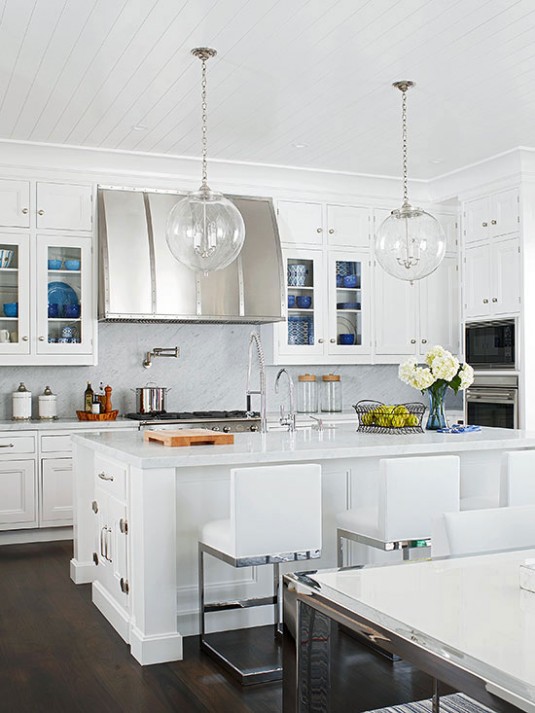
(140, 281)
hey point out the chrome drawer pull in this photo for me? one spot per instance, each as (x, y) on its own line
(103, 476)
(7, 445)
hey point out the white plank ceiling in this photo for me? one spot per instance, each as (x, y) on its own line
(317, 73)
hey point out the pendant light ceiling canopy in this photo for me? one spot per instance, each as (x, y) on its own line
(410, 243)
(205, 230)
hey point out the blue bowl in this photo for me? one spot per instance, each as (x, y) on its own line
(72, 264)
(350, 281)
(304, 301)
(54, 264)
(291, 300)
(346, 339)
(11, 309)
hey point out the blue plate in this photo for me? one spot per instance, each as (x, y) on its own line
(61, 294)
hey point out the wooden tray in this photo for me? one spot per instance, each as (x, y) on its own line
(189, 437)
(86, 416)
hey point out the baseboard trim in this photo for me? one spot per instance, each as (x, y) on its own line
(158, 648)
(45, 534)
(82, 572)
(111, 610)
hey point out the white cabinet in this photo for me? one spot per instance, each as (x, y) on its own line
(47, 303)
(14, 204)
(492, 278)
(412, 318)
(17, 494)
(18, 481)
(56, 492)
(491, 216)
(300, 222)
(309, 223)
(111, 587)
(64, 206)
(46, 205)
(328, 314)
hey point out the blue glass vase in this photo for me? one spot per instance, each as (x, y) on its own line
(437, 413)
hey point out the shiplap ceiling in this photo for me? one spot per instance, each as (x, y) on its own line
(118, 74)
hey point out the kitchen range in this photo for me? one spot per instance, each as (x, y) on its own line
(225, 421)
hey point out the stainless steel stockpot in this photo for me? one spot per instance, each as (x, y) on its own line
(151, 399)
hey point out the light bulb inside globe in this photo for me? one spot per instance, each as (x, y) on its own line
(410, 243)
(205, 231)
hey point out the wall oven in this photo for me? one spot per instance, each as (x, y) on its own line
(491, 345)
(492, 400)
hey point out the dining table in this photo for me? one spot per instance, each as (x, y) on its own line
(465, 621)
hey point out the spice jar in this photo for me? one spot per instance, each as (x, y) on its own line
(22, 404)
(331, 393)
(307, 393)
(48, 406)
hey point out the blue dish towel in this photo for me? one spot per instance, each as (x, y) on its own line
(459, 429)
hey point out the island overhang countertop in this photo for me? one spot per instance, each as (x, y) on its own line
(301, 446)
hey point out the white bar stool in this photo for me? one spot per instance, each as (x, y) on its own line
(479, 531)
(517, 483)
(275, 516)
(412, 493)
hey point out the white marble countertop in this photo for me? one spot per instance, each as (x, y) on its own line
(300, 446)
(67, 424)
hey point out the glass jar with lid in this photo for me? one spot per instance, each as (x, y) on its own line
(307, 393)
(331, 393)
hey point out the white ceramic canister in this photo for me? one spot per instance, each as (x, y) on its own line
(22, 404)
(48, 405)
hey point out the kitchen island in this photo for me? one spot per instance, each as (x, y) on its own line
(139, 508)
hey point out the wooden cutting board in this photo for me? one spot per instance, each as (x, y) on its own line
(189, 437)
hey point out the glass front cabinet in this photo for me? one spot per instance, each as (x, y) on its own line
(328, 307)
(46, 310)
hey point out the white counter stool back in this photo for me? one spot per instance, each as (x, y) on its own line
(275, 516)
(412, 493)
(517, 483)
(479, 531)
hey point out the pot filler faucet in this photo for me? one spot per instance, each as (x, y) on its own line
(254, 341)
(287, 419)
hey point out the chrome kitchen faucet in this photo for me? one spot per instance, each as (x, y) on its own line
(287, 419)
(254, 340)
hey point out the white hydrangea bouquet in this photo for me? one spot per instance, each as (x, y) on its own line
(441, 371)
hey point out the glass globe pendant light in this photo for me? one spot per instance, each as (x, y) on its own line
(205, 230)
(410, 243)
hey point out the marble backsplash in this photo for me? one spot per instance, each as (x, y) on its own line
(210, 373)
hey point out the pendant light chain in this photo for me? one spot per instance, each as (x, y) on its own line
(204, 138)
(404, 145)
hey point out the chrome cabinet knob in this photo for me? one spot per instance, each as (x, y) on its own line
(424, 341)
(413, 341)
(494, 299)
(319, 230)
(25, 211)
(493, 222)
(320, 341)
(485, 302)
(41, 339)
(332, 341)
(484, 224)
(24, 339)
(40, 212)
(331, 231)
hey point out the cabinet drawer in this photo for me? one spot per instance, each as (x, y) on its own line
(111, 475)
(55, 444)
(10, 444)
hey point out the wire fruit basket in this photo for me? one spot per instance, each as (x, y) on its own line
(376, 417)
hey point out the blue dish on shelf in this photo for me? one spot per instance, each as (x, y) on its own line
(348, 305)
(72, 264)
(61, 294)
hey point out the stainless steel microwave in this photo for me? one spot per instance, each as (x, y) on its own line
(491, 345)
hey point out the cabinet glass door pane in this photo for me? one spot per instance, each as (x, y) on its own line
(14, 288)
(301, 301)
(348, 302)
(64, 265)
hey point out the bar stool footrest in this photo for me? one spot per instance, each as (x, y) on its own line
(240, 604)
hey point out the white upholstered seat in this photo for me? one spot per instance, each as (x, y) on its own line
(275, 516)
(412, 493)
(473, 531)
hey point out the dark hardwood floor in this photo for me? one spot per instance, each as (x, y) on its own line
(59, 655)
